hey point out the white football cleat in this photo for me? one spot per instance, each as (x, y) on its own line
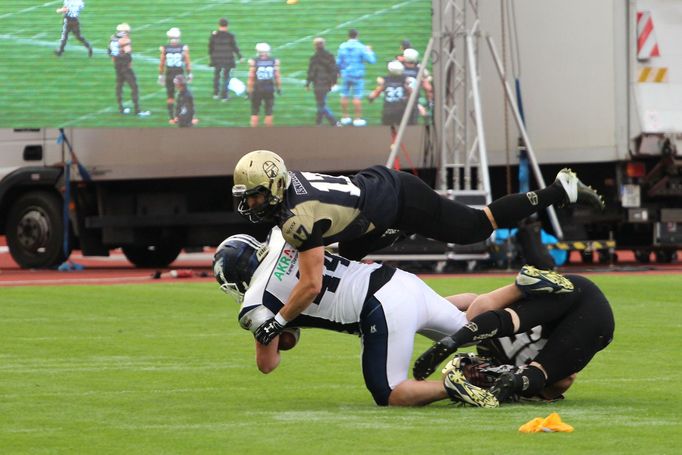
(460, 390)
(346, 121)
(144, 114)
(577, 191)
(359, 122)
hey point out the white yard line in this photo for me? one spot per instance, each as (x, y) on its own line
(29, 9)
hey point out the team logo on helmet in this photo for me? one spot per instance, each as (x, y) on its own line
(270, 169)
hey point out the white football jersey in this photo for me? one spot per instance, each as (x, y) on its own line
(337, 306)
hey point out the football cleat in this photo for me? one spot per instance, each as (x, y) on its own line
(359, 122)
(144, 114)
(461, 391)
(532, 280)
(124, 110)
(506, 386)
(577, 191)
(432, 357)
(345, 121)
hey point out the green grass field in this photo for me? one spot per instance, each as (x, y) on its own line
(42, 90)
(165, 368)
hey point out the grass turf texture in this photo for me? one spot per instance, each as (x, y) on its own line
(45, 91)
(164, 368)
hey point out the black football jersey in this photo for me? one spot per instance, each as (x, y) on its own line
(174, 58)
(395, 93)
(320, 209)
(265, 74)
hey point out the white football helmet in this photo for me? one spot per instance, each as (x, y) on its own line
(263, 48)
(123, 28)
(173, 33)
(411, 55)
(395, 67)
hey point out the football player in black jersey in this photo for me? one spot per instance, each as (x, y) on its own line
(544, 338)
(174, 61)
(121, 52)
(72, 11)
(264, 80)
(361, 211)
(396, 91)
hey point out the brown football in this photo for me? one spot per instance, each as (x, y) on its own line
(288, 339)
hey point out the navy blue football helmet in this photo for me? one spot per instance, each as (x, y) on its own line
(235, 261)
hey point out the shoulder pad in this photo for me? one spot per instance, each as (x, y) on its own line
(253, 319)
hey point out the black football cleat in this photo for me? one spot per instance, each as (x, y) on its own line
(426, 364)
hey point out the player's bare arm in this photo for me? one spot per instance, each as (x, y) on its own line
(311, 269)
(267, 356)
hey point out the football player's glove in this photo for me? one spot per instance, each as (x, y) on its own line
(189, 77)
(161, 80)
(279, 92)
(268, 331)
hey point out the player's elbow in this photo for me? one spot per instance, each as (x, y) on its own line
(312, 287)
(267, 364)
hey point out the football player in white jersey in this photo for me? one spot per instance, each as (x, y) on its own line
(384, 305)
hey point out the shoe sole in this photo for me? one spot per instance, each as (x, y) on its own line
(460, 390)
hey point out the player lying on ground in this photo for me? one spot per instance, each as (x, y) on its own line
(314, 210)
(385, 306)
(549, 336)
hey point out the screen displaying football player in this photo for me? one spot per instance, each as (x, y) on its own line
(174, 61)
(264, 80)
(121, 52)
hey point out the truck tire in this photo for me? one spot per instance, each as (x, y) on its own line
(155, 256)
(35, 230)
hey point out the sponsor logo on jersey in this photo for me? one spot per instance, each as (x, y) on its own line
(298, 186)
(285, 264)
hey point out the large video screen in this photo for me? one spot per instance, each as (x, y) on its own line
(65, 62)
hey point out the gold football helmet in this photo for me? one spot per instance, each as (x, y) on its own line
(260, 172)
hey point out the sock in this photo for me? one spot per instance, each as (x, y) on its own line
(531, 381)
(490, 324)
(512, 208)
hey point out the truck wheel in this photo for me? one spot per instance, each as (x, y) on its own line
(154, 256)
(35, 230)
(643, 256)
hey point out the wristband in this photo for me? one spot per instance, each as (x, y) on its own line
(280, 319)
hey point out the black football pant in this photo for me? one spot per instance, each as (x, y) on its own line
(323, 111)
(423, 211)
(584, 329)
(225, 70)
(71, 25)
(127, 76)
